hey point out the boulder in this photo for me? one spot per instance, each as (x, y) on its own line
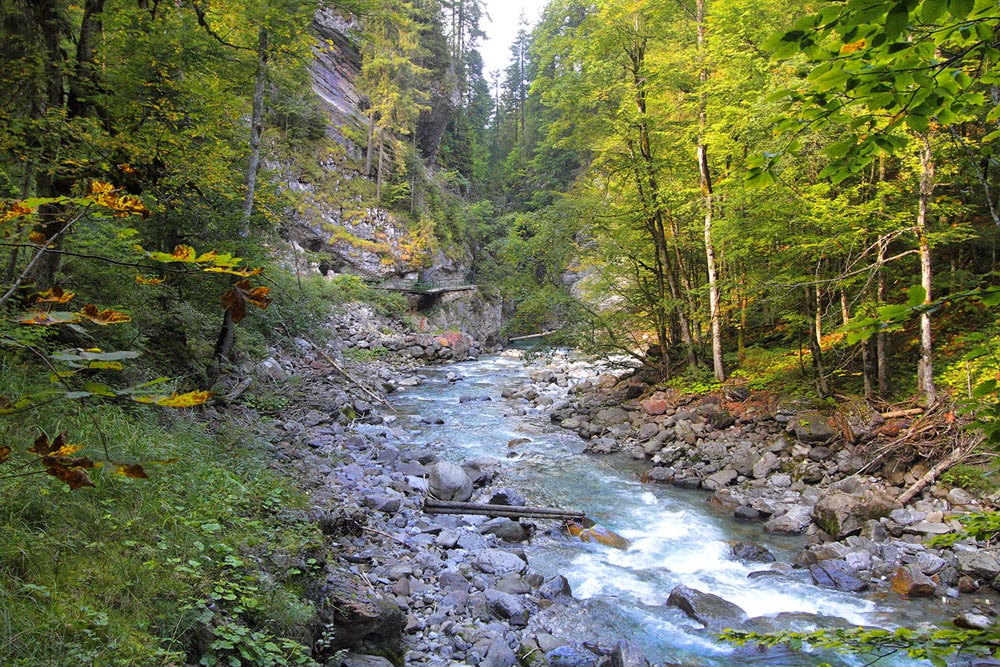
(719, 479)
(722, 419)
(837, 574)
(362, 620)
(507, 496)
(911, 582)
(861, 420)
(648, 430)
(499, 655)
(448, 481)
(683, 430)
(556, 586)
(628, 654)
(746, 513)
(841, 514)
(978, 563)
(506, 529)
(794, 521)
(610, 416)
(812, 426)
(358, 660)
(506, 606)
(710, 610)
(751, 552)
(654, 406)
(764, 466)
(499, 562)
(570, 656)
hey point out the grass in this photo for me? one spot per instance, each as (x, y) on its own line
(191, 564)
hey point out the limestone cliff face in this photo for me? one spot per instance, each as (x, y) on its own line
(331, 220)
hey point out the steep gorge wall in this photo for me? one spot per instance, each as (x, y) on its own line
(332, 221)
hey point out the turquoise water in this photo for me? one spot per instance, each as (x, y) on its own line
(677, 538)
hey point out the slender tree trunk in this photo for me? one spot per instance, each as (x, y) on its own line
(815, 351)
(256, 127)
(882, 292)
(369, 153)
(925, 369)
(378, 167)
(818, 327)
(706, 189)
(845, 315)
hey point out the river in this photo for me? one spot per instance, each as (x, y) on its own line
(677, 538)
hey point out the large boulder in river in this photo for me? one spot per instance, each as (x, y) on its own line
(710, 610)
(448, 481)
(836, 573)
(841, 514)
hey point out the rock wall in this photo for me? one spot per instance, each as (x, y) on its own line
(470, 312)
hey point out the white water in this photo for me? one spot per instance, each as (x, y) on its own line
(676, 537)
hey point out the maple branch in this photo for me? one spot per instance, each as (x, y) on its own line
(38, 256)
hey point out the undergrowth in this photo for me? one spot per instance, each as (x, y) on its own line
(189, 566)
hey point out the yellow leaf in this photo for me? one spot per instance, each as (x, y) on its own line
(176, 400)
(67, 450)
(133, 470)
(853, 46)
(143, 280)
(5, 453)
(16, 209)
(37, 238)
(105, 365)
(245, 272)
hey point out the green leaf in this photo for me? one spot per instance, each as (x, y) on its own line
(991, 297)
(896, 20)
(932, 10)
(916, 295)
(986, 388)
(959, 9)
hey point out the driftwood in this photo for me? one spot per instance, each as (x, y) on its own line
(909, 412)
(956, 456)
(530, 336)
(511, 511)
(339, 368)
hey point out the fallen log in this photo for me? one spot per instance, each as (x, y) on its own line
(909, 412)
(433, 506)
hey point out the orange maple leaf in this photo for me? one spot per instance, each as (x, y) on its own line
(47, 319)
(133, 470)
(5, 453)
(103, 317)
(236, 299)
(53, 295)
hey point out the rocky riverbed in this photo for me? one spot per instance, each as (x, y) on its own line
(395, 584)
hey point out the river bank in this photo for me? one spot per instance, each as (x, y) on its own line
(428, 589)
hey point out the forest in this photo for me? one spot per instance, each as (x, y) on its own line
(797, 197)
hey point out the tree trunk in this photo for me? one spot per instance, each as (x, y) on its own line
(925, 369)
(815, 351)
(369, 153)
(256, 127)
(378, 167)
(706, 189)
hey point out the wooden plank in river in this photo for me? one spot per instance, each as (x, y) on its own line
(434, 506)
